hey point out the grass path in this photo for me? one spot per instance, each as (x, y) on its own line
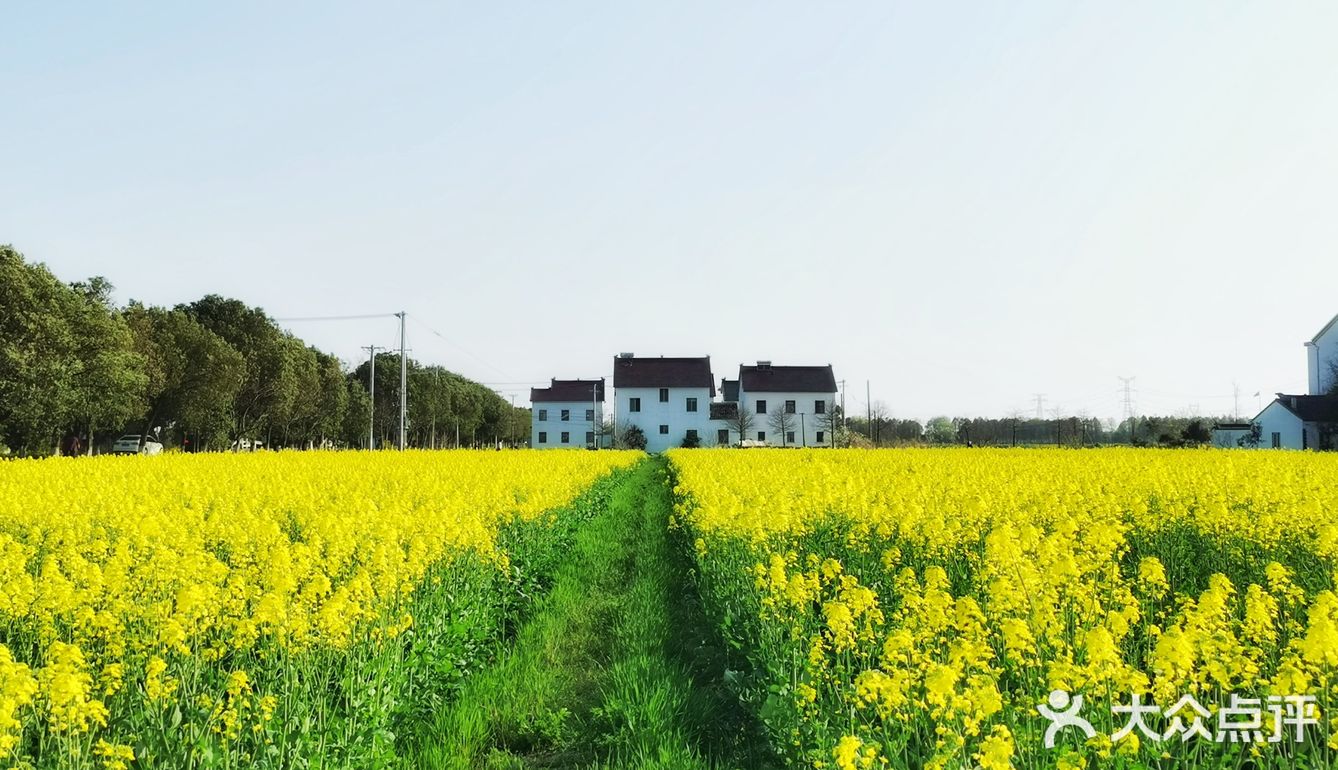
(616, 668)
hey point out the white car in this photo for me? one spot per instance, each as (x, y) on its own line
(129, 445)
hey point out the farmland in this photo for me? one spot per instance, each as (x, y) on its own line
(913, 608)
(846, 609)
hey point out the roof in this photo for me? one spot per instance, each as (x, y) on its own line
(632, 372)
(569, 390)
(765, 378)
(724, 410)
(729, 389)
(1332, 322)
(1311, 408)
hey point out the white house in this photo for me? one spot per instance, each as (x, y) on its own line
(1297, 421)
(1322, 359)
(566, 414)
(804, 395)
(669, 399)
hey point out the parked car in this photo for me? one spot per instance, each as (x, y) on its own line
(129, 445)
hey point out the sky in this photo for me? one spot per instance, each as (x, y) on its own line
(957, 205)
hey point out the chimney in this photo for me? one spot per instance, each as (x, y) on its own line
(763, 366)
(624, 355)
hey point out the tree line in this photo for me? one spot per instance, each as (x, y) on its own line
(1074, 430)
(205, 375)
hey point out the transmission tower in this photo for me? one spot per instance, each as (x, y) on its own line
(1128, 389)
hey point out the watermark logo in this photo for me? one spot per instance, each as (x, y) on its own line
(1241, 720)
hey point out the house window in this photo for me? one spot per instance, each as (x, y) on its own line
(761, 407)
(789, 437)
(722, 436)
(566, 437)
(543, 415)
(566, 415)
(789, 407)
(589, 415)
(821, 436)
(633, 404)
(543, 437)
(761, 435)
(692, 404)
(1277, 440)
(692, 434)
(590, 438)
(819, 407)
(664, 430)
(664, 395)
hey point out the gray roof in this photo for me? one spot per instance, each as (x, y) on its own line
(787, 379)
(1311, 408)
(1326, 328)
(633, 372)
(729, 390)
(569, 390)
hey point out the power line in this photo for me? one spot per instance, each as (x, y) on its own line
(337, 317)
(458, 347)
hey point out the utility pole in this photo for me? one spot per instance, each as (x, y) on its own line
(803, 431)
(511, 423)
(868, 411)
(371, 387)
(404, 383)
(595, 422)
(1129, 403)
(843, 412)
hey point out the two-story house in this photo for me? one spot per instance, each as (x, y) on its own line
(566, 414)
(669, 399)
(790, 404)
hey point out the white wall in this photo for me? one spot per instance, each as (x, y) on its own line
(1228, 439)
(1277, 419)
(673, 413)
(1319, 356)
(803, 402)
(577, 426)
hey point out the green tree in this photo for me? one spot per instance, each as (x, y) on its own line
(940, 430)
(37, 353)
(192, 375)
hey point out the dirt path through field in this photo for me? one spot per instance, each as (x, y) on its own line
(615, 669)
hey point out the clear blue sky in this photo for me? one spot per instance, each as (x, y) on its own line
(965, 203)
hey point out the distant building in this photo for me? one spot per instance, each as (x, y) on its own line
(1296, 421)
(566, 414)
(669, 399)
(1322, 359)
(805, 392)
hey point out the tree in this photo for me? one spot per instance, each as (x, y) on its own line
(353, 428)
(1251, 440)
(269, 385)
(940, 430)
(830, 423)
(192, 375)
(691, 441)
(741, 421)
(108, 377)
(783, 421)
(1196, 432)
(634, 438)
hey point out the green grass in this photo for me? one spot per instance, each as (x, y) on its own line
(616, 667)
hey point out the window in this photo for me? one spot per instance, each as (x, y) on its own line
(664, 430)
(761, 435)
(543, 437)
(664, 395)
(819, 407)
(566, 437)
(590, 438)
(1277, 440)
(543, 415)
(589, 415)
(692, 404)
(692, 434)
(789, 437)
(633, 404)
(566, 415)
(722, 436)
(761, 407)
(820, 434)
(789, 407)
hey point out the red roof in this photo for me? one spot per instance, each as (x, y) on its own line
(569, 390)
